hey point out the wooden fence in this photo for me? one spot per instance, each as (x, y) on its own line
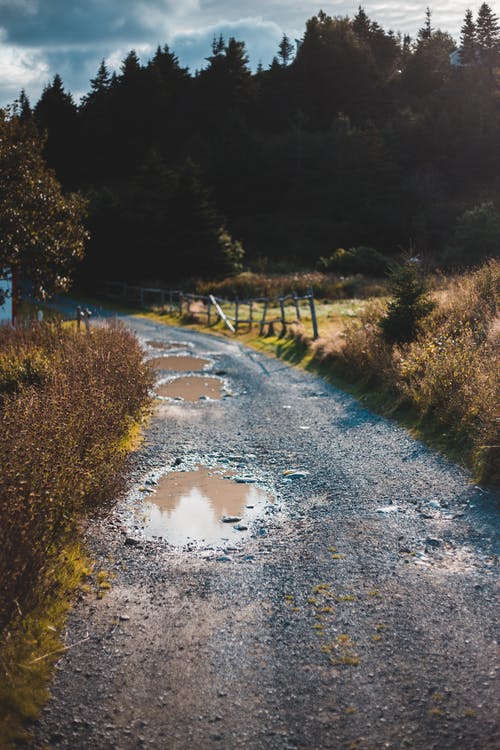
(259, 311)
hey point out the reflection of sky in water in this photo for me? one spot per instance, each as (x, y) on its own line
(189, 506)
(191, 388)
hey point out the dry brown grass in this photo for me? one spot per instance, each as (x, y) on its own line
(449, 373)
(61, 444)
(324, 285)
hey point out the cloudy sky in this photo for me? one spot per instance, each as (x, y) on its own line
(39, 38)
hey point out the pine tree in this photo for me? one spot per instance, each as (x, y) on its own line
(99, 86)
(23, 108)
(425, 32)
(488, 36)
(55, 114)
(361, 25)
(218, 45)
(285, 50)
(468, 40)
(130, 69)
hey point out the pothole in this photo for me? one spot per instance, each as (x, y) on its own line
(192, 388)
(179, 363)
(205, 507)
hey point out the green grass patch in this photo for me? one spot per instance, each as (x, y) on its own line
(33, 645)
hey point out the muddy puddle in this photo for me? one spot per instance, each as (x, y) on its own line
(179, 363)
(192, 388)
(189, 507)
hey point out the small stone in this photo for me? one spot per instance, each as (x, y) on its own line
(433, 542)
(240, 527)
(388, 509)
(124, 618)
(224, 558)
(230, 519)
(131, 542)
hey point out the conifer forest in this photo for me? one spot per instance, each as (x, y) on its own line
(353, 136)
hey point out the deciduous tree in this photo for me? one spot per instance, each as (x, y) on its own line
(41, 230)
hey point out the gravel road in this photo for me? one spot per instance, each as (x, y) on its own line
(361, 613)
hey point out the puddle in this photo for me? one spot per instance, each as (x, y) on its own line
(192, 388)
(188, 506)
(179, 363)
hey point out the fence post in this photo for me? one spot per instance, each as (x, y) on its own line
(236, 311)
(250, 315)
(283, 318)
(209, 310)
(313, 314)
(297, 308)
(263, 321)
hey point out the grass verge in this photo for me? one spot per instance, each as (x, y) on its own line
(70, 404)
(34, 644)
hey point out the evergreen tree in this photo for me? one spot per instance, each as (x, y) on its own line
(488, 36)
(23, 108)
(468, 40)
(361, 25)
(226, 83)
(410, 303)
(425, 33)
(217, 45)
(56, 115)
(285, 50)
(99, 86)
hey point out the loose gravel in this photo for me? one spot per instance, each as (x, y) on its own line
(360, 613)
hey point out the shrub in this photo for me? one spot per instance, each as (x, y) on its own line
(449, 373)
(61, 444)
(249, 285)
(410, 303)
(476, 235)
(22, 369)
(360, 259)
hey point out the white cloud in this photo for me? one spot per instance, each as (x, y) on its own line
(42, 37)
(261, 40)
(21, 69)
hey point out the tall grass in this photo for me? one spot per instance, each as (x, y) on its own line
(249, 285)
(67, 400)
(449, 373)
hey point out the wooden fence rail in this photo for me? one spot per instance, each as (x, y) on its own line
(246, 312)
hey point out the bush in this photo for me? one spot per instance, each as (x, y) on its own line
(64, 417)
(409, 306)
(360, 259)
(249, 285)
(22, 369)
(476, 236)
(449, 373)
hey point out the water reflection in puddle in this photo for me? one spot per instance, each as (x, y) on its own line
(188, 507)
(192, 388)
(178, 363)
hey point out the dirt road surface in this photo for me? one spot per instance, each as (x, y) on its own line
(360, 613)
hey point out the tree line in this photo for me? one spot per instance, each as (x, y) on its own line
(353, 136)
